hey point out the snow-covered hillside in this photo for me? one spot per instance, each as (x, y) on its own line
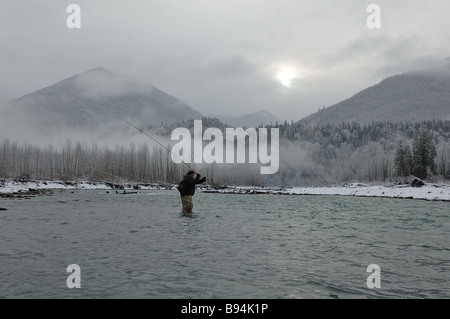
(91, 99)
(409, 97)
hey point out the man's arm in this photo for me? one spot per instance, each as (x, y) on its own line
(198, 180)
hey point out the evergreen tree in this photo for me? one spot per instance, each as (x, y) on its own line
(403, 161)
(424, 152)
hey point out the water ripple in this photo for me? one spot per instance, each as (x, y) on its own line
(232, 246)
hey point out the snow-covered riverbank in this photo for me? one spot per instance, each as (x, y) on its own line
(14, 187)
(439, 192)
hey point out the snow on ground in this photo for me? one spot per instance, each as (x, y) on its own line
(14, 187)
(427, 192)
(9, 186)
(439, 192)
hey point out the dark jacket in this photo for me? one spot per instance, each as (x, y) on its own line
(187, 185)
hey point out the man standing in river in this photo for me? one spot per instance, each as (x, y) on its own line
(187, 190)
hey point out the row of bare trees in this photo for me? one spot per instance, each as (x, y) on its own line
(77, 161)
(302, 163)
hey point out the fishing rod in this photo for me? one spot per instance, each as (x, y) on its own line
(140, 130)
(146, 134)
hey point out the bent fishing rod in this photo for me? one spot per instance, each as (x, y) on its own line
(141, 131)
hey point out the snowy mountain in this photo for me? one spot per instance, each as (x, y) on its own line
(409, 97)
(249, 120)
(92, 99)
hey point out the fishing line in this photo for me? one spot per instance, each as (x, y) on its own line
(140, 130)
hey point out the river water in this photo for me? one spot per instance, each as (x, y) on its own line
(232, 246)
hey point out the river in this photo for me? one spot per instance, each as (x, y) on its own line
(232, 246)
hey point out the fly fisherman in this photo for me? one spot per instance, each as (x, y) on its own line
(187, 190)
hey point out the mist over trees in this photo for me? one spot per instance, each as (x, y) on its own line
(335, 153)
(317, 155)
(76, 161)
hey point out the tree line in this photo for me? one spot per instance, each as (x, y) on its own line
(324, 154)
(80, 161)
(334, 153)
(421, 160)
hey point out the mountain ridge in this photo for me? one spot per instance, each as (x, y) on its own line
(248, 120)
(409, 97)
(91, 99)
(97, 97)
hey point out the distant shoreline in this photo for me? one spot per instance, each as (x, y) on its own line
(13, 188)
(429, 192)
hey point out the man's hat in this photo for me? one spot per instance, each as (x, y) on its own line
(190, 172)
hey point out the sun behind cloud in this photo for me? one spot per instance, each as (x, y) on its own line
(285, 75)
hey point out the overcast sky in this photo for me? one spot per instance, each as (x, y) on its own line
(224, 56)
